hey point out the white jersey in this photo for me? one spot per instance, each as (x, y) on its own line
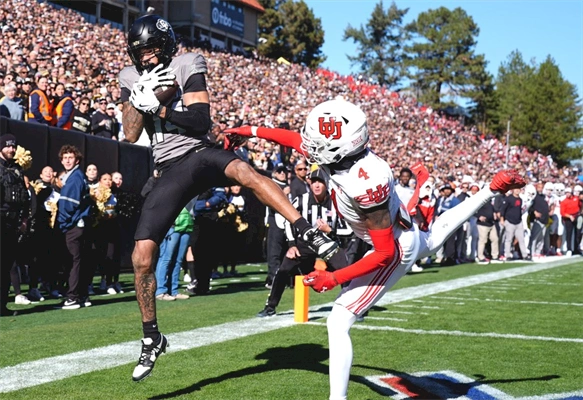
(368, 183)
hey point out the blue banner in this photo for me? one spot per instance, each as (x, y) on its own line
(227, 17)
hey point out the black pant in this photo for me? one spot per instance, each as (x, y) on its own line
(301, 265)
(204, 240)
(355, 249)
(7, 258)
(569, 236)
(276, 249)
(80, 274)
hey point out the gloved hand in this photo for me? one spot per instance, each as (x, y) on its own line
(321, 281)
(144, 99)
(156, 77)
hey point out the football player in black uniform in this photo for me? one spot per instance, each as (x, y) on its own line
(187, 164)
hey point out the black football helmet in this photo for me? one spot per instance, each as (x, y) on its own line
(153, 32)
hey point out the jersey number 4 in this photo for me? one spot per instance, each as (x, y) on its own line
(362, 174)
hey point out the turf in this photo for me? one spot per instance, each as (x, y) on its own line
(424, 335)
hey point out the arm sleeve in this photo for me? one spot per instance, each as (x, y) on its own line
(280, 136)
(384, 254)
(197, 120)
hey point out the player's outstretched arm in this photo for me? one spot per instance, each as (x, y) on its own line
(280, 136)
(133, 122)
(379, 225)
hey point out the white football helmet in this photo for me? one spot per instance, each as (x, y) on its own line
(334, 129)
(548, 189)
(529, 192)
(559, 189)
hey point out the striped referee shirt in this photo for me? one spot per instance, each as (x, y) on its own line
(311, 210)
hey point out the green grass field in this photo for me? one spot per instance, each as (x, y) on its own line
(508, 336)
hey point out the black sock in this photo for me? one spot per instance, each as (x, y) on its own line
(150, 329)
(302, 225)
(190, 267)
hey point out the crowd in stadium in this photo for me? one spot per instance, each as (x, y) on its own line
(52, 55)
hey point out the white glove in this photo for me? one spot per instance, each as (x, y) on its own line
(156, 77)
(144, 99)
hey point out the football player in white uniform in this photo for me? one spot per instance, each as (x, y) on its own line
(362, 185)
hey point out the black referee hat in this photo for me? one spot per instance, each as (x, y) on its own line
(319, 175)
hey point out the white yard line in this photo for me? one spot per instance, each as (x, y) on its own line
(459, 333)
(551, 303)
(34, 373)
(367, 318)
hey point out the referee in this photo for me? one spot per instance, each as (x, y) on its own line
(316, 207)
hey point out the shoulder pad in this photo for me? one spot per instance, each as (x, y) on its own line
(188, 64)
(371, 181)
(127, 77)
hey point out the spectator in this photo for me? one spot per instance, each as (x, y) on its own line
(40, 105)
(403, 189)
(117, 179)
(299, 183)
(73, 222)
(82, 117)
(447, 201)
(25, 91)
(10, 105)
(13, 201)
(511, 220)
(102, 122)
(172, 253)
(235, 230)
(64, 109)
(539, 217)
(92, 176)
(106, 235)
(487, 232)
(570, 210)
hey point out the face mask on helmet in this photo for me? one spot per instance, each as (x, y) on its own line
(334, 129)
(529, 192)
(548, 189)
(152, 36)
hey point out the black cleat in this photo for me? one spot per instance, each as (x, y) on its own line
(322, 245)
(150, 353)
(266, 312)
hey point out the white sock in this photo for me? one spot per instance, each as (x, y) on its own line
(452, 219)
(339, 323)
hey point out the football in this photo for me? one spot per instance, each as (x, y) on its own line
(165, 94)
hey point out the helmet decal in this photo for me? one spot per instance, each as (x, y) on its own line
(330, 129)
(162, 25)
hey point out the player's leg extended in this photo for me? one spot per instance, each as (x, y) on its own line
(267, 191)
(144, 278)
(453, 218)
(270, 194)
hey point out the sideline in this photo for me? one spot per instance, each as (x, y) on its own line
(82, 362)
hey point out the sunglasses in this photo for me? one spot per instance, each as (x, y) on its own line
(301, 169)
(84, 104)
(103, 102)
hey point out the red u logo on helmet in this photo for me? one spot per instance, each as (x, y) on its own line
(330, 129)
